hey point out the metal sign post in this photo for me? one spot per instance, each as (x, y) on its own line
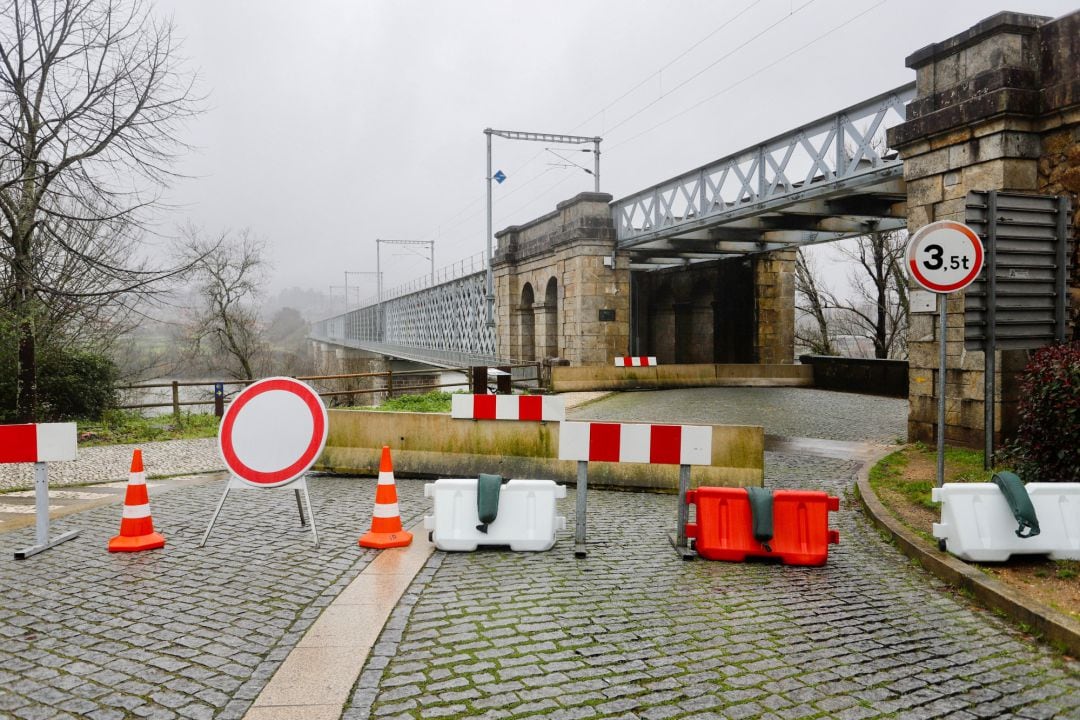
(943, 257)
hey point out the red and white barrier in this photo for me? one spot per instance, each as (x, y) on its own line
(37, 442)
(623, 442)
(540, 408)
(636, 361)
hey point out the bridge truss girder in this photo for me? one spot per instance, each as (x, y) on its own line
(824, 181)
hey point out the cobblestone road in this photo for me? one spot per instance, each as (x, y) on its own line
(634, 632)
(629, 632)
(183, 631)
(798, 412)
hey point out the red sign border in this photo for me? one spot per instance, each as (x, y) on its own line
(288, 474)
(919, 236)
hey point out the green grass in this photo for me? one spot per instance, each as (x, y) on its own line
(118, 427)
(888, 474)
(1067, 569)
(432, 402)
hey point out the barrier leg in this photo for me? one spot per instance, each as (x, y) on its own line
(680, 543)
(300, 507)
(579, 521)
(311, 513)
(41, 516)
(217, 511)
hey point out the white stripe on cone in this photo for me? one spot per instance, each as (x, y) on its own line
(137, 478)
(386, 478)
(136, 511)
(385, 510)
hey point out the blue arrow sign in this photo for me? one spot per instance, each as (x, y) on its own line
(499, 176)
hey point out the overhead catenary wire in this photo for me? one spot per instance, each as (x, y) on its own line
(480, 198)
(622, 122)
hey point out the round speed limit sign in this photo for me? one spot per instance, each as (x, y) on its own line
(944, 256)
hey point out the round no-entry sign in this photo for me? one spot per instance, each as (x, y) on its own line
(273, 432)
(944, 256)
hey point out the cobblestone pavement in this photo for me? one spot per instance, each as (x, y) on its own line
(182, 631)
(112, 462)
(634, 632)
(629, 632)
(799, 412)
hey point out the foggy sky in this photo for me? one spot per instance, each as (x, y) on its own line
(331, 123)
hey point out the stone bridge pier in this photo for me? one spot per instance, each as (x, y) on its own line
(997, 107)
(564, 291)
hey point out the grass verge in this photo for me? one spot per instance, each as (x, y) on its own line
(902, 482)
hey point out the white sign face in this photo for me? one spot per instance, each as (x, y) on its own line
(273, 432)
(944, 256)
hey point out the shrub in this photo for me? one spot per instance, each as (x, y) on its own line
(1047, 445)
(75, 384)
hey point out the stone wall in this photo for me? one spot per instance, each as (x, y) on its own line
(997, 107)
(774, 293)
(569, 251)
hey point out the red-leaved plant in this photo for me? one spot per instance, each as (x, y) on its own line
(1047, 445)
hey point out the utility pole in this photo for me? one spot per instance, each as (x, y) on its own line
(535, 137)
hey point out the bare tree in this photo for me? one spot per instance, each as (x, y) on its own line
(879, 310)
(229, 271)
(813, 299)
(91, 94)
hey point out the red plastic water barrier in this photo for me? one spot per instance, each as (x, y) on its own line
(724, 528)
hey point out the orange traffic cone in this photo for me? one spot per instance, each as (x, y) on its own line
(386, 529)
(136, 527)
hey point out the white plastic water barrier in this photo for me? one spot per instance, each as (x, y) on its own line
(977, 524)
(526, 519)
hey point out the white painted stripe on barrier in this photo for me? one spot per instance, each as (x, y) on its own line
(133, 512)
(554, 408)
(507, 407)
(385, 510)
(696, 445)
(574, 441)
(461, 406)
(386, 478)
(56, 441)
(634, 443)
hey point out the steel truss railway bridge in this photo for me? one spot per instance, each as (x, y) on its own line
(822, 181)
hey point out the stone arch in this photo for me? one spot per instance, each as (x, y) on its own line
(527, 324)
(551, 318)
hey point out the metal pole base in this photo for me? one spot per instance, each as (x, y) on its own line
(580, 551)
(684, 551)
(35, 549)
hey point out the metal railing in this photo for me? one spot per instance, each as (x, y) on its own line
(388, 386)
(844, 148)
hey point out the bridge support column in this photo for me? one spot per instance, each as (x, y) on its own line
(559, 270)
(774, 295)
(997, 107)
